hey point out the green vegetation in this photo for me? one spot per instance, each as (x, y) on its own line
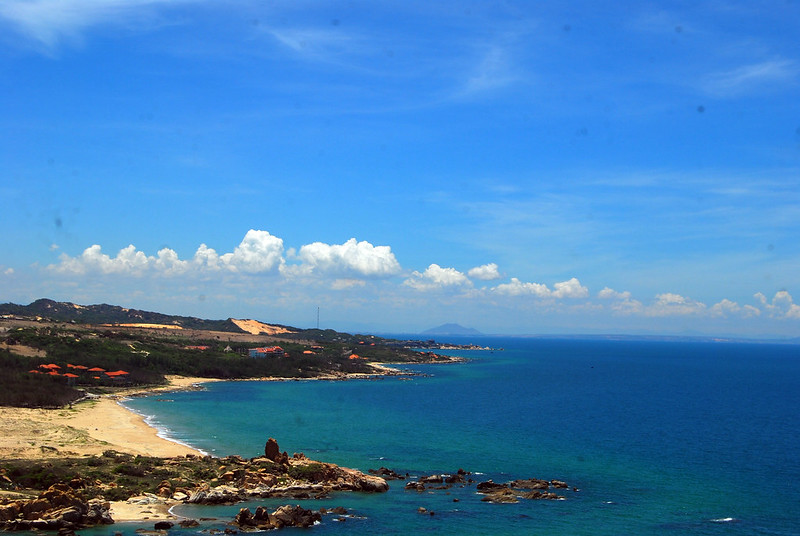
(146, 356)
(20, 388)
(312, 472)
(113, 475)
(110, 314)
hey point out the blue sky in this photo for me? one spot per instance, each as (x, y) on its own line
(516, 167)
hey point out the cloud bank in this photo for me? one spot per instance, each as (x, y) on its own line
(359, 265)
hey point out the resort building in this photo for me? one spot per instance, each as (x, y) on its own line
(266, 351)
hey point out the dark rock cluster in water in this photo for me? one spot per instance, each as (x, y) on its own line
(284, 516)
(509, 492)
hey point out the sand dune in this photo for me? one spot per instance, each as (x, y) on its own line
(255, 327)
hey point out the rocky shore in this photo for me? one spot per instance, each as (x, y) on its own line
(62, 507)
(70, 505)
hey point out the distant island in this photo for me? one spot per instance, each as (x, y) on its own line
(450, 329)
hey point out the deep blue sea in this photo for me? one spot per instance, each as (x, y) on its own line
(661, 438)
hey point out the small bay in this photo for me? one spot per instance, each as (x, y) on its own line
(659, 437)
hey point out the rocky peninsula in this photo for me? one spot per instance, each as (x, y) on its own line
(69, 504)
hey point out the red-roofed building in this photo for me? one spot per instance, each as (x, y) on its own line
(71, 378)
(267, 351)
(118, 376)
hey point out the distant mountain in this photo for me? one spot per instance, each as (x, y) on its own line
(451, 329)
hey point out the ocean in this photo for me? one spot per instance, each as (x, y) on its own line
(697, 438)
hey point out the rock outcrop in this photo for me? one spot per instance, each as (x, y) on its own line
(277, 475)
(273, 453)
(190, 479)
(283, 516)
(59, 507)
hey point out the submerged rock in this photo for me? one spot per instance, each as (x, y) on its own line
(386, 474)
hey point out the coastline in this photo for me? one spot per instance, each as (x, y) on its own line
(89, 427)
(94, 425)
(97, 424)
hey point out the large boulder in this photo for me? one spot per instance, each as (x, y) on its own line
(271, 450)
(99, 512)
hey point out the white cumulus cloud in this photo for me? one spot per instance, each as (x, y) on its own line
(435, 276)
(351, 258)
(206, 258)
(669, 304)
(517, 288)
(128, 260)
(781, 306)
(611, 294)
(571, 288)
(258, 252)
(486, 272)
(621, 302)
(167, 261)
(726, 307)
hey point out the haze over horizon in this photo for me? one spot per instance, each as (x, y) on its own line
(512, 167)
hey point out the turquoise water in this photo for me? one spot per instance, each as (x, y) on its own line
(660, 437)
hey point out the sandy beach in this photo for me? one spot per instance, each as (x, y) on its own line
(89, 427)
(93, 426)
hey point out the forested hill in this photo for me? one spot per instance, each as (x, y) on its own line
(111, 314)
